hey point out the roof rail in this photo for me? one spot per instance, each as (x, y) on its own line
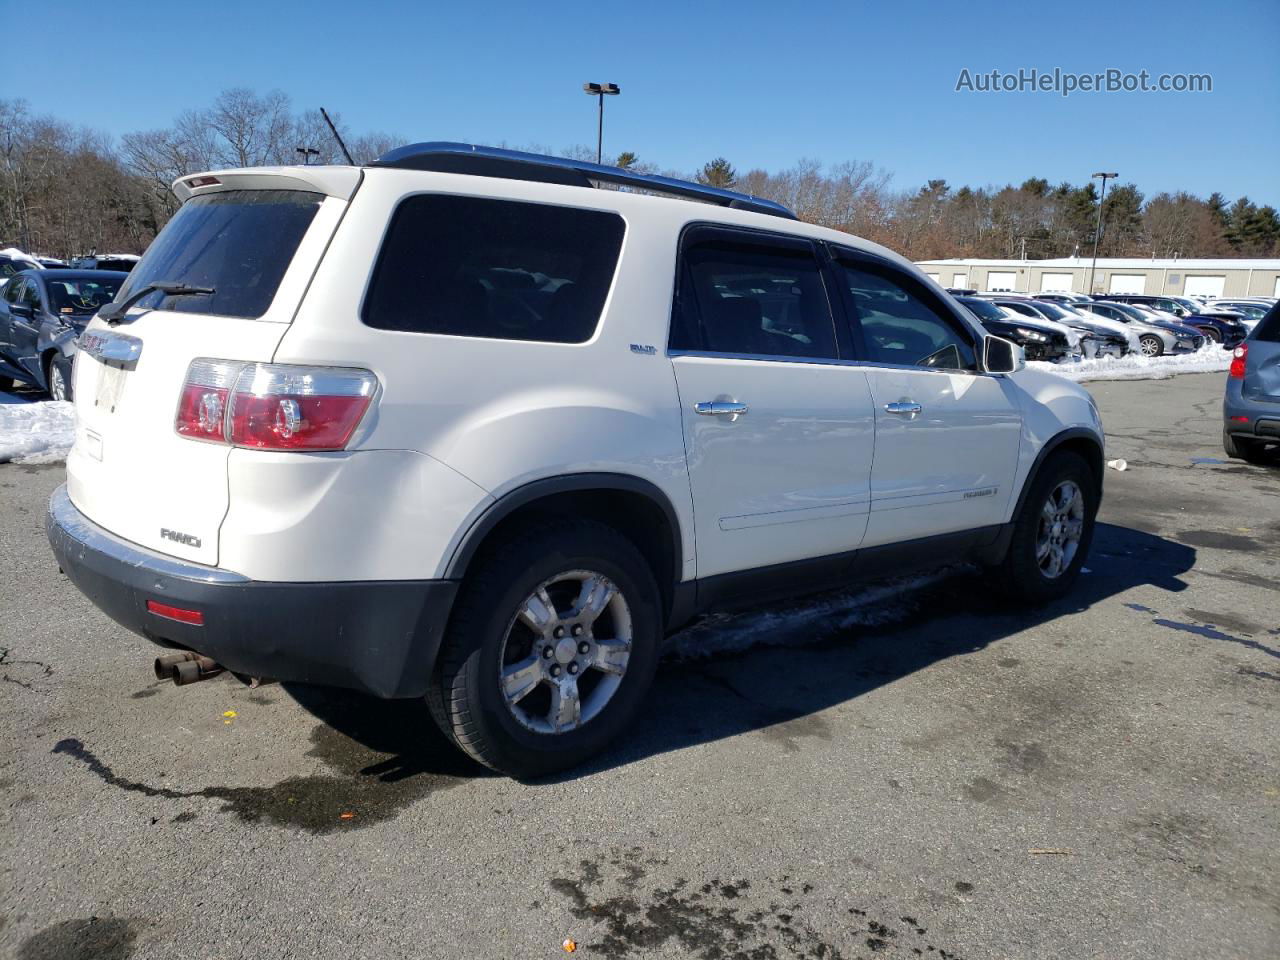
(478, 161)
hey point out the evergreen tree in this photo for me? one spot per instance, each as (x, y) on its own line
(718, 173)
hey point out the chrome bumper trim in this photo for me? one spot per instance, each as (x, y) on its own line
(67, 521)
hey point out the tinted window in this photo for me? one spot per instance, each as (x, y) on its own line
(81, 295)
(471, 267)
(239, 242)
(899, 324)
(748, 295)
(13, 290)
(983, 309)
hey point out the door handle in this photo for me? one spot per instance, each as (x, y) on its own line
(720, 408)
(903, 408)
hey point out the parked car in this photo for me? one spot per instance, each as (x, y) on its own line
(1154, 337)
(42, 314)
(1222, 327)
(11, 265)
(1251, 408)
(1064, 297)
(1038, 342)
(1250, 311)
(446, 435)
(123, 262)
(1096, 339)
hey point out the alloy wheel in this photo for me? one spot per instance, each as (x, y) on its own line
(57, 382)
(1061, 529)
(565, 652)
(1150, 346)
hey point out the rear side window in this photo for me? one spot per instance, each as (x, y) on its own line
(239, 242)
(498, 269)
(1268, 327)
(752, 295)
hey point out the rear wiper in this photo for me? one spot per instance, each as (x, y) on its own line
(114, 311)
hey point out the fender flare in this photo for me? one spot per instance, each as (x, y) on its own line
(535, 490)
(1052, 444)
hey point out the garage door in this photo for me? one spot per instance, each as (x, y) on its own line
(935, 277)
(1001, 281)
(1056, 282)
(1128, 283)
(1276, 291)
(961, 280)
(1204, 286)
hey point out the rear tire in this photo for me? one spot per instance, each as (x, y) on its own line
(1213, 334)
(1052, 532)
(58, 376)
(1149, 345)
(1246, 449)
(528, 690)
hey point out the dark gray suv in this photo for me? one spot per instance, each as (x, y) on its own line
(1251, 409)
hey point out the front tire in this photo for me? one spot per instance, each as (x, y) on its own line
(551, 647)
(1052, 532)
(1150, 345)
(6, 384)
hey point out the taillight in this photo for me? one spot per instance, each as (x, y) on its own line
(1238, 358)
(269, 406)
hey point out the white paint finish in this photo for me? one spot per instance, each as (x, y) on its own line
(1195, 286)
(1056, 282)
(960, 281)
(964, 441)
(1127, 283)
(1275, 291)
(935, 277)
(788, 480)
(1001, 280)
(366, 515)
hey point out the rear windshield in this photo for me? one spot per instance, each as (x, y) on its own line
(239, 242)
(81, 295)
(1269, 327)
(983, 309)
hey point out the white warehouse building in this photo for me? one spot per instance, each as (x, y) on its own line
(1210, 278)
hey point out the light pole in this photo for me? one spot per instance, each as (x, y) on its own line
(600, 90)
(307, 154)
(1097, 230)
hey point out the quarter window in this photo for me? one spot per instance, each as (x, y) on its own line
(498, 269)
(745, 294)
(897, 323)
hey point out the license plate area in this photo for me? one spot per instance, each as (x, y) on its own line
(110, 388)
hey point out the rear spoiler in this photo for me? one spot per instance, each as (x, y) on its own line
(333, 181)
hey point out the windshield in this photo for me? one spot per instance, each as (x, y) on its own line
(239, 242)
(983, 309)
(1053, 310)
(1189, 304)
(82, 296)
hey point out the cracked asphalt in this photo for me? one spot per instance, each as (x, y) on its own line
(911, 770)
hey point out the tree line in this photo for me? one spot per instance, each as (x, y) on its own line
(66, 191)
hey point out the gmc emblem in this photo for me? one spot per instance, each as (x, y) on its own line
(184, 538)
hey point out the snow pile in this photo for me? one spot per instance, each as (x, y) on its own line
(805, 621)
(1210, 358)
(35, 432)
(17, 254)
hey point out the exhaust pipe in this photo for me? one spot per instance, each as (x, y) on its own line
(185, 668)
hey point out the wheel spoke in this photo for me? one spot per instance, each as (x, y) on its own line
(594, 597)
(538, 611)
(566, 707)
(1042, 549)
(612, 656)
(519, 679)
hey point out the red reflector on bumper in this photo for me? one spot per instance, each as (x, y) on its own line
(1239, 419)
(193, 617)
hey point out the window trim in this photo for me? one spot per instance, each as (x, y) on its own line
(766, 239)
(839, 255)
(404, 198)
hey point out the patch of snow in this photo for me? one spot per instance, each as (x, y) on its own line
(17, 254)
(1210, 358)
(802, 622)
(40, 432)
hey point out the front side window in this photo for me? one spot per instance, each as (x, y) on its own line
(899, 323)
(237, 242)
(498, 269)
(746, 294)
(13, 290)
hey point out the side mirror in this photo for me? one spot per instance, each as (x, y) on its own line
(21, 309)
(1002, 356)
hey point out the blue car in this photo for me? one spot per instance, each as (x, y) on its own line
(42, 314)
(1251, 409)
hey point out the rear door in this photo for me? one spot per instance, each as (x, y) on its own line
(24, 327)
(778, 424)
(255, 240)
(947, 435)
(1262, 369)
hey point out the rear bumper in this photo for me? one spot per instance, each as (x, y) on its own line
(380, 637)
(1260, 418)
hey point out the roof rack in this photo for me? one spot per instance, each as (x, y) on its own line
(478, 161)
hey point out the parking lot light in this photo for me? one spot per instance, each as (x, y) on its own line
(1097, 230)
(600, 90)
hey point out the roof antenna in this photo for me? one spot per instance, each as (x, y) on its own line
(337, 136)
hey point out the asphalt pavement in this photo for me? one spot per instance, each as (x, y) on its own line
(910, 770)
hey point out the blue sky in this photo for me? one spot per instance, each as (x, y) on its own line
(763, 84)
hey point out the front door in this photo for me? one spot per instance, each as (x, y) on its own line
(778, 425)
(947, 435)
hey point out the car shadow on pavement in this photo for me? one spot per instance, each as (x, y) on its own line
(697, 699)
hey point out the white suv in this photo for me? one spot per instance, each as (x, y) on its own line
(463, 424)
